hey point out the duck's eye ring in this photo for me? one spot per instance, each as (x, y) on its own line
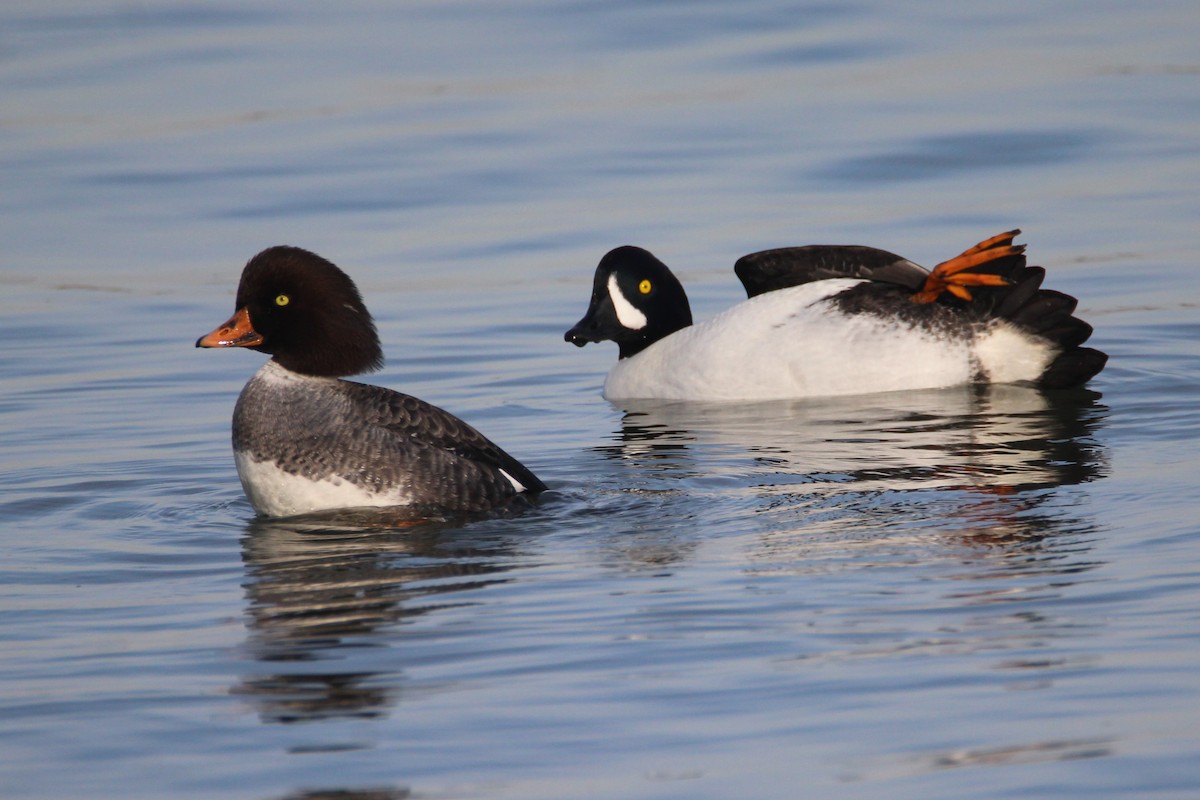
(645, 286)
(282, 300)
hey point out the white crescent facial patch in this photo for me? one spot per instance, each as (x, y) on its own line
(627, 314)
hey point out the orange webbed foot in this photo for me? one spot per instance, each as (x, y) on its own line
(952, 276)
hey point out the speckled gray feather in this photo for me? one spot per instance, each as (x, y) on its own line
(374, 438)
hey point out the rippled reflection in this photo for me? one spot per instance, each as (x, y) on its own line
(319, 589)
(1035, 752)
(969, 489)
(981, 464)
(349, 794)
(1005, 436)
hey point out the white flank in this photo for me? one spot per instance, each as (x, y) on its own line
(1007, 355)
(785, 344)
(277, 493)
(627, 314)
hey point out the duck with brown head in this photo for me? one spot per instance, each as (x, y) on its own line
(305, 440)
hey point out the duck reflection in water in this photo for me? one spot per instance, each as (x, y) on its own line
(978, 460)
(349, 794)
(321, 589)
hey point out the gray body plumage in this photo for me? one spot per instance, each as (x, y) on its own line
(380, 446)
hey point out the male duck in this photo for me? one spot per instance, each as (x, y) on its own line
(831, 320)
(306, 441)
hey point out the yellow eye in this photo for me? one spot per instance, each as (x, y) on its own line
(644, 287)
(282, 300)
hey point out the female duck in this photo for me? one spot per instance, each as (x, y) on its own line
(833, 320)
(304, 440)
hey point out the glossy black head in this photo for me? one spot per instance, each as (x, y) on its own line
(635, 302)
(305, 312)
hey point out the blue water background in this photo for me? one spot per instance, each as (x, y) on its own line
(937, 594)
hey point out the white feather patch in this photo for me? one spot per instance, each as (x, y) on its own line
(516, 484)
(627, 314)
(1008, 354)
(278, 493)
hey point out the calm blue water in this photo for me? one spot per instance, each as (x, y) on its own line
(936, 595)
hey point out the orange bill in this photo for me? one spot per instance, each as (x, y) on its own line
(234, 332)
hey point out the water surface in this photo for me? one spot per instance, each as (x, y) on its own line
(946, 594)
